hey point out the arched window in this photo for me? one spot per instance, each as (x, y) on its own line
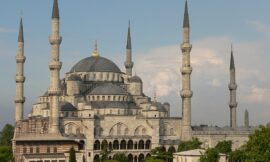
(123, 145)
(148, 144)
(130, 158)
(115, 145)
(141, 158)
(130, 145)
(97, 145)
(141, 144)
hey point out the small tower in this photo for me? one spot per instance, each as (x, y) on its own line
(55, 66)
(20, 59)
(232, 87)
(246, 119)
(128, 62)
(186, 70)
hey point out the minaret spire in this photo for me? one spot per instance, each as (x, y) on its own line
(128, 63)
(20, 59)
(55, 13)
(232, 87)
(55, 66)
(186, 71)
(186, 17)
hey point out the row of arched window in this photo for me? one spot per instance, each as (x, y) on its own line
(107, 98)
(131, 158)
(124, 145)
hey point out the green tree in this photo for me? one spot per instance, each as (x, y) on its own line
(237, 155)
(5, 153)
(189, 145)
(224, 147)
(210, 155)
(153, 159)
(72, 155)
(120, 157)
(258, 146)
(111, 161)
(6, 135)
(159, 153)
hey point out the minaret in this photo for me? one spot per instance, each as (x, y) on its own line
(232, 87)
(55, 66)
(186, 70)
(20, 59)
(128, 62)
(246, 119)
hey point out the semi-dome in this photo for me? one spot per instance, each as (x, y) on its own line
(135, 79)
(108, 89)
(66, 106)
(95, 64)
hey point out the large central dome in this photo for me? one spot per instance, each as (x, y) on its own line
(95, 64)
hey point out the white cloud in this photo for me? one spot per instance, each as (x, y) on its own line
(6, 30)
(257, 95)
(261, 27)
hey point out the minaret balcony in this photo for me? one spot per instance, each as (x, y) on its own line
(232, 86)
(186, 70)
(55, 65)
(129, 64)
(233, 104)
(55, 39)
(20, 59)
(19, 79)
(19, 99)
(54, 91)
(186, 93)
(186, 47)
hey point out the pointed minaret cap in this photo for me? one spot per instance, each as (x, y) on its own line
(20, 37)
(232, 67)
(186, 17)
(95, 53)
(129, 37)
(55, 12)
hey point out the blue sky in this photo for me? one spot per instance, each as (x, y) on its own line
(156, 35)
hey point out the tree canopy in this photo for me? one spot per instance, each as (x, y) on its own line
(224, 147)
(210, 155)
(120, 157)
(189, 145)
(6, 135)
(258, 146)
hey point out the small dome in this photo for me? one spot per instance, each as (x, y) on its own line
(135, 79)
(74, 78)
(95, 64)
(108, 89)
(66, 106)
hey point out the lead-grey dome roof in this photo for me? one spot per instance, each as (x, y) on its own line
(66, 106)
(95, 64)
(108, 89)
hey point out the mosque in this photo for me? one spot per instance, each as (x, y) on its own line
(96, 103)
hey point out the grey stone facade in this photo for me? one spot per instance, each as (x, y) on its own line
(95, 102)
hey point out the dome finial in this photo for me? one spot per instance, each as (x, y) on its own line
(95, 52)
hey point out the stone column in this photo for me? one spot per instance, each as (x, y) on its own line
(55, 66)
(232, 87)
(128, 62)
(186, 70)
(20, 59)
